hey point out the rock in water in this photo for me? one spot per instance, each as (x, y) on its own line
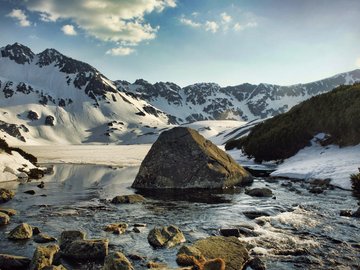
(230, 249)
(6, 195)
(4, 219)
(10, 262)
(117, 261)
(182, 158)
(43, 256)
(86, 250)
(259, 192)
(166, 237)
(21, 232)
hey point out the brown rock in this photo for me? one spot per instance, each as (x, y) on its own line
(6, 195)
(11, 262)
(165, 237)
(182, 158)
(4, 219)
(21, 232)
(117, 261)
(133, 198)
(43, 256)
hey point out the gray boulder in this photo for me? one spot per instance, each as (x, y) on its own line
(165, 237)
(67, 237)
(21, 232)
(182, 158)
(89, 250)
(117, 261)
(11, 262)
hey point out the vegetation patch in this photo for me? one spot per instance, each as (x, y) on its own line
(335, 113)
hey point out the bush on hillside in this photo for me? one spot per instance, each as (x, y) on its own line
(335, 113)
(355, 182)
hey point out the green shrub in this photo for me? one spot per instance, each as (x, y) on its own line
(355, 182)
(335, 113)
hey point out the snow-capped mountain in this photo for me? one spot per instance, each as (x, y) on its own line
(51, 98)
(48, 97)
(206, 101)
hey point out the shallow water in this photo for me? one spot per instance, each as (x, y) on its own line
(303, 231)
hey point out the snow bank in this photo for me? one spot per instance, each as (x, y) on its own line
(9, 165)
(322, 162)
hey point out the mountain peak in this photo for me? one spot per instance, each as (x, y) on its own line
(18, 53)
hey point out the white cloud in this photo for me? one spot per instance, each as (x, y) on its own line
(211, 26)
(240, 27)
(189, 22)
(225, 18)
(358, 62)
(69, 30)
(20, 16)
(120, 51)
(107, 20)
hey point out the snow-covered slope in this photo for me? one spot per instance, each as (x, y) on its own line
(246, 102)
(48, 97)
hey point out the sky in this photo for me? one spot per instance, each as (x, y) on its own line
(228, 42)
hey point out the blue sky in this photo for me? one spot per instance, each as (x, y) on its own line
(188, 41)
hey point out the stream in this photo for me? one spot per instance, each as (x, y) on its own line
(302, 230)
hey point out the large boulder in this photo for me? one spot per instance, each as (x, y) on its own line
(6, 195)
(181, 158)
(117, 261)
(11, 262)
(230, 249)
(166, 237)
(43, 256)
(86, 250)
(21, 232)
(67, 237)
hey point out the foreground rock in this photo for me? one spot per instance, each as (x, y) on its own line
(133, 198)
(73, 245)
(259, 192)
(117, 261)
(21, 232)
(229, 249)
(10, 262)
(165, 237)
(4, 219)
(182, 158)
(43, 256)
(10, 212)
(6, 195)
(43, 238)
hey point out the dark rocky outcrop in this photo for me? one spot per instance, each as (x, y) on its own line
(6, 195)
(32, 115)
(182, 159)
(49, 120)
(11, 262)
(165, 237)
(43, 238)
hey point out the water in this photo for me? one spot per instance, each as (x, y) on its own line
(303, 231)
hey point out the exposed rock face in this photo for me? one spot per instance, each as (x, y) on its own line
(116, 228)
(10, 262)
(43, 256)
(6, 195)
(21, 232)
(230, 249)
(182, 158)
(32, 115)
(49, 120)
(117, 261)
(67, 237)
(165, 237)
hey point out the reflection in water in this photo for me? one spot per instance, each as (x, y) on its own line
(300, 233)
